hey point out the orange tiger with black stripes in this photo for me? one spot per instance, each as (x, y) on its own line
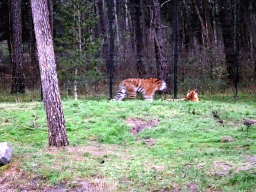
(132, 86)
(191, 96)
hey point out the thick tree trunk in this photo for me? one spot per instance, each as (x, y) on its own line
(111, 46)
(50, 8)
(138, 36)
(51, 95)
(161, 61)
(227, 37)
(175, 58)
(34, 64)
(18, 84)
(103, 31)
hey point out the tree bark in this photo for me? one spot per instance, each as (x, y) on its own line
(103, 31)
(208, 24)
(175, 58)
(34, 64)
(227, 37)
(138, 36)
(18, 84)
(111, 46)
(51, 95)
(50, 8)
(116, 25)
(161, 61)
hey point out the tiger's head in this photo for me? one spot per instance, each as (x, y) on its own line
(162, 86)
(192, 96)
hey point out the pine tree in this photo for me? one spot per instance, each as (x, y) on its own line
(76, 43)
(51, 94)
(18, 84)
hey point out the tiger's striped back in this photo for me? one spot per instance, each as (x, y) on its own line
(132, 86)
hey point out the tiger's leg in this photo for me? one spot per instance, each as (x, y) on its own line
(121, 93)
(148, 97)
(131, 94)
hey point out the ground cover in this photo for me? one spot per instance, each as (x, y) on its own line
(133, 146)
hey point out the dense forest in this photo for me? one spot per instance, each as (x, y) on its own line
(208, 45)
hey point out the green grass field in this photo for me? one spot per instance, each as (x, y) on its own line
(133, 146)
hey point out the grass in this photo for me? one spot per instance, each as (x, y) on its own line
(190, 148)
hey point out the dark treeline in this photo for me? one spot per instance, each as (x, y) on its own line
(216, 43)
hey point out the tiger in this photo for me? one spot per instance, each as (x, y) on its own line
(191, 96)
(147, 87)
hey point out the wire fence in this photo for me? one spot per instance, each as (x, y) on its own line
(207, 73)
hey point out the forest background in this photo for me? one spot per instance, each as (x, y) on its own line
(212, 43)
(186, 146)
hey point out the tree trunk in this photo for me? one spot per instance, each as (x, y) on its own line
(144, 25)
(227, 37)
(50, 8)
(34, 65)
(18, 84)
(208, 24)
(175, 58)
(205, 22)
(253, 40)
(116, 25)
(103, 31)
(111, 46)
(214, 23)
(79, 39)
(126, 16)
(51, 95)
(161, 62)
(138, 36)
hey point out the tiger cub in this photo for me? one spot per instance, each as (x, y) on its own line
(192, 96)
(147, 87)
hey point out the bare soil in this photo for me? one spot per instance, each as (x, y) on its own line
(17, 180)
(138, 125)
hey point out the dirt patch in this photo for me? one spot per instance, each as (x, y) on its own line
(138, 125)
(175, 188)
(227, 139)
(93, 150)
(250, 163)
(251, 159)
(79, 151)
(18, 180)
(249, 122)
(192, 187)
(221, 168)
(14, 178)
(224, 168)
(159, 167)
(149, 142)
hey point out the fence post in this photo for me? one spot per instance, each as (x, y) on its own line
(111, 52)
